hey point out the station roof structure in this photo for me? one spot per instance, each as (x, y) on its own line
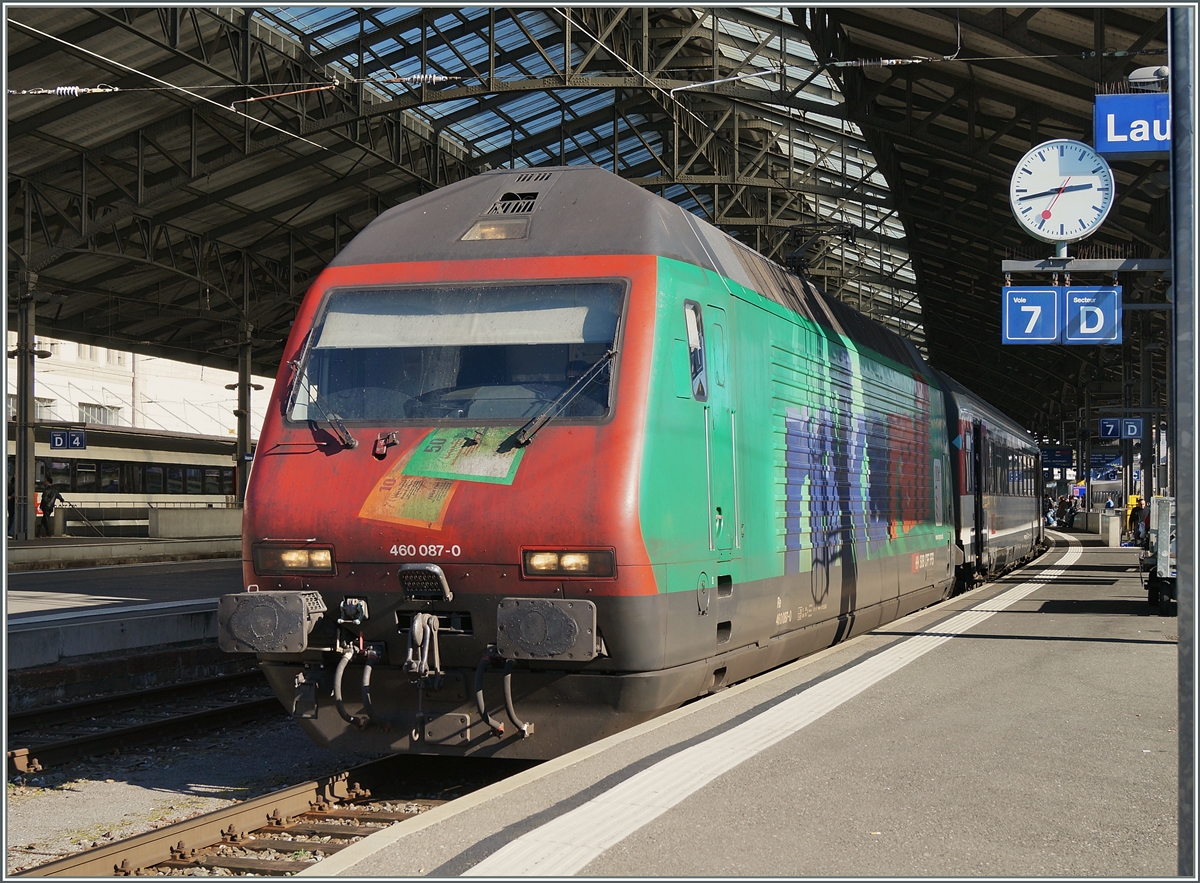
(177, 176)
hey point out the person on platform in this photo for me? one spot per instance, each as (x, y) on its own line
(50, 499)
(1137, 520)
(1060, 514)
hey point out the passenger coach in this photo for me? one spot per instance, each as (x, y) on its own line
(548, 456)
(997, 481)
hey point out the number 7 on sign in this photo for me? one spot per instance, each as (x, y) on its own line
(1035, 312)
(1029, 314)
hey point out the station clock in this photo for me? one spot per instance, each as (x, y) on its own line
(1061, 191)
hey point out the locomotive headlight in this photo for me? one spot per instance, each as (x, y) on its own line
(294, 558)
(591, 563)
(284, 559)
(575, 561)
(541, 562)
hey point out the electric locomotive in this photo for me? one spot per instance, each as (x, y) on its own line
(548, 456)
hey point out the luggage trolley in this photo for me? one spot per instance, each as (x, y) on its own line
(1158, 558)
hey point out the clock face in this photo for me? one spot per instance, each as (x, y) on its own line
(1061, 191)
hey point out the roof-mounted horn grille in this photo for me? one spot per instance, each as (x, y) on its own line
(532, 177)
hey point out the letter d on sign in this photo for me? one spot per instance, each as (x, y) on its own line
(1088, 316)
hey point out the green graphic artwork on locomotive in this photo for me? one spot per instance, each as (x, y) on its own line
(776, 447)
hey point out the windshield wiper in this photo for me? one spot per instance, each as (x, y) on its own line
(553, 408)
(332, 419)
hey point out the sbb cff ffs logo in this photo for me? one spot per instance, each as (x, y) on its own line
(921, 560)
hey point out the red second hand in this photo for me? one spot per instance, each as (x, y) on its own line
(1046, 213)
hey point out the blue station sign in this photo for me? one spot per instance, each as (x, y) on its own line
(1092, 315)
(1031, 315)
(1058, 458)
(68, 440)
(1134, 126)
(1059, 314)
(1120, 427)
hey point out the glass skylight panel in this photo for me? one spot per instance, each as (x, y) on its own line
(749, 39)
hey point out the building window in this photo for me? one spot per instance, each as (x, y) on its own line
(105, 415)
(116, 357)
(43, 409)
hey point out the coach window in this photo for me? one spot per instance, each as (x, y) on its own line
(154, 479)
(85, 478)
(174, 479)
(212, 481)
(59, 472)
(110, 478)
(227, 480)
(695, 341)
(131, 478)
(195, 480)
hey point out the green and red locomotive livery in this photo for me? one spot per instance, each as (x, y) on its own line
(549, 456)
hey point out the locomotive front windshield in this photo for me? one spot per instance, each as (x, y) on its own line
(493, 352)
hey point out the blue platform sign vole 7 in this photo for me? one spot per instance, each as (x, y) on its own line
(1133, 126)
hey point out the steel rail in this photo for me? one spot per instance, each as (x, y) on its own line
(179, 843)
(36, 718)
(29, 760)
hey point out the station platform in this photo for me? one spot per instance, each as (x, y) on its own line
(63, 617)
(59, 552)
(1023, 729)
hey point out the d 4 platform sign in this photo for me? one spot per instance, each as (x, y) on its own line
(1059, 314)
(68, 440)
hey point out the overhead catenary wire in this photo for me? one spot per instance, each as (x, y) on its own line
(300, 88)
(139, 73)
(929, 59)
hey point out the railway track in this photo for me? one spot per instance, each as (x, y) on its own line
(44, 738)
(289, 830)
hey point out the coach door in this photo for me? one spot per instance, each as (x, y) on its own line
(720, 439)
(983, 480)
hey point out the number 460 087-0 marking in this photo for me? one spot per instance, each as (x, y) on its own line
(1035, 313)
(431, 550)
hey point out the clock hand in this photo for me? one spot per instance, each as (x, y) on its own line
(1073, 187)
(1059, 193)
(1046, 210)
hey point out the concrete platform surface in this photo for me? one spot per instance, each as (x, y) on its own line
(51, 553)
(63, 616)
(51, 591)
(1027, 728)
